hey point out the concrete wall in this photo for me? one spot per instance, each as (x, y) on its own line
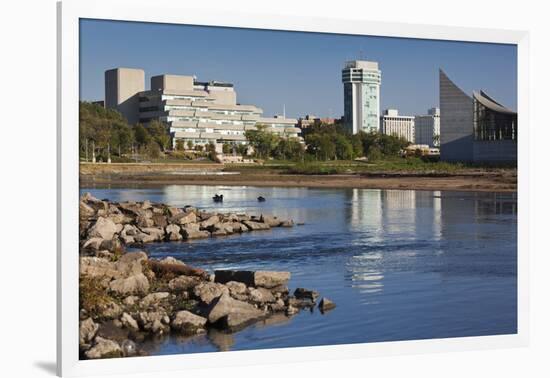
(122, 86)
(176, 82)
(457, 121)
(495, 151)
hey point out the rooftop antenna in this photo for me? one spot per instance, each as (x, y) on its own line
(284, 111)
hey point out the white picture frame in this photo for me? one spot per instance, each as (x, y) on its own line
(69, 13)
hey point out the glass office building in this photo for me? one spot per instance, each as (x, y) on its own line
(361, 81)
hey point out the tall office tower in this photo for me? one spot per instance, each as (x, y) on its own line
(122, 87)
(362, 81)
(426, 128)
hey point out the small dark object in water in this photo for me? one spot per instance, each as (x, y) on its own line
(261, 199)
(218, 198)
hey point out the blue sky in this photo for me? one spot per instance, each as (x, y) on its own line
(300, 70)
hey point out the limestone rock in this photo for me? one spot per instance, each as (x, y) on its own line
(188, 323)
(256, 226)
(326, 304)
(98, 267)
(261, 296)
(233, 312)
(173, 232)
(183, 283)
(302, 293)
(188, 233)
(103, 228)
(136, 284)
(104, 348)
(266, 279)
(153, 298)
(183, 218)
(129, 322)
(207, 291)
(87, 331)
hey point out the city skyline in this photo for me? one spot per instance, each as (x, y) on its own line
(300, 71)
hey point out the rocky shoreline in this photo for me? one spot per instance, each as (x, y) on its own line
(127, 297)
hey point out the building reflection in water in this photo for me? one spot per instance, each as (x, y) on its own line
(389, 224)
(379, 218)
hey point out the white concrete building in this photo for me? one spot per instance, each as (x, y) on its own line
(427, 128)
(391, 123)
(196, 112)
(362, 81)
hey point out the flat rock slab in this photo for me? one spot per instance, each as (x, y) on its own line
(265, 279)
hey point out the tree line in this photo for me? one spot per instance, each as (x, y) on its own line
(105, 133)
(325, 142)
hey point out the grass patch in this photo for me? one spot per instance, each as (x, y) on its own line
(93, 295)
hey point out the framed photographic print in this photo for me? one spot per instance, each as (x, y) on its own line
(280, 189)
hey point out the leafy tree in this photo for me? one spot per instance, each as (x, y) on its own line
(180, 145)
(141, 135)
(159, 133)
(190, 144)
(263, 141)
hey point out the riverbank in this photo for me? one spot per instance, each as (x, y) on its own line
(127, 298)
(464, 179)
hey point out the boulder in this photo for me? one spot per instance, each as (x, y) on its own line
(154, 321)
(98, 267)
(103, 228)
(326, 304)
(104, 348)
(129, 322)
(266, 279)
(143, 221)
(261, 296)
(159, 220)
(87, 331)
(93, 243)
(143, 237)
(301, 293)
(256, 226)
(171, 260)
(136, 284)
(272, 221)
(300, 303)
(130, 300)
(183, 218)
(157, 233)
(183, 283)
(188, 233)
(109, 310)
(131, 263)
(188, 323)
(235, 287)
(287, 223)
(211, 221)
(208, 291)
(173, 232)
(173, 211)
(85, 211)
(291, 310)
(231, 312)
(153, 299)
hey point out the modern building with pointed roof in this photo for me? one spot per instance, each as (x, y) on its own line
(475, 129)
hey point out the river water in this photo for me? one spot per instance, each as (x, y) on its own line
(399, 264)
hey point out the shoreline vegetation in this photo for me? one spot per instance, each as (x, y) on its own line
(398, 173)
(127, 298)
